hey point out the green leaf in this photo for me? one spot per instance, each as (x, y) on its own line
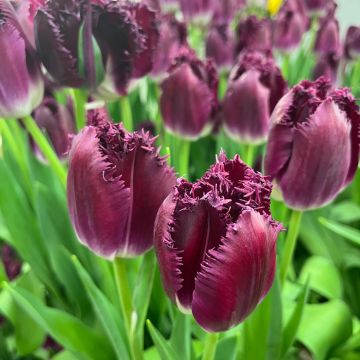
(349, 233)
(292, 326)
(66, 355)
(165, 350)
(324, 327)
(345, 212)
(106, 313)
(181, 335)
(324, 277)
(225, 348)
(63, 327)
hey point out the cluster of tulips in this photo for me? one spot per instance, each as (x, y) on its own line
(65, 63)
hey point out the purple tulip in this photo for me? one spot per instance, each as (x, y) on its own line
(313, 148)
(189, 96)
(58, 123)
(21, 81)
(352, 43)
(328, 66)
(317, 6)
(253, 34)
(225, 10)
(11, 262)
(255, 86)
(116, 184)
(328, 35)
(172, 38)
(220, 45)
(193, 9)
(215, 242)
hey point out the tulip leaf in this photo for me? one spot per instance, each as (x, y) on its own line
(165, 350)
(324, 327)
(349, 233)
(66, 355)
(225, 348)
(181, 335)
(292, 325)
(345, 212)
(20, 320)
(63, 327)
(107, 314)
(324, 277)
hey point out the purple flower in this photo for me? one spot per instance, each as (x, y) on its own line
(313, 148)
(255, 86)
(352, 43)
(317, 6)
(21, 81)
(327, 66)
(215, 242)
(225, 10)
(11, 262)
(220, 45)
(172, 38)
(189, 96)
(196, 8)
(253, 34)
(116, 184)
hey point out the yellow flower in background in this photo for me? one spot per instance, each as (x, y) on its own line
(273, 6)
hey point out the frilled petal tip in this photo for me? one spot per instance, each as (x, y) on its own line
(207, 230)
(116, 184)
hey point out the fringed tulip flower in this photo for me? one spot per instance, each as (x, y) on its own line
(21, 81)
(172, 38)
(313, 148)
(220, 45)
(255, 86)
(189, 96)
(215, 242)
(116, 184)
(352, 43)
(253, 34)
(58, 123)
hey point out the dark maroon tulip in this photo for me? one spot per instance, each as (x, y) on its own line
(255, 86)
(253, 34)
(352, 43)
(313, 148)
(116, 184)
(21, 81)
(193, 9)
(317, 6)
(328, 66)
(58, 123)
(127, 35)
(153, 4)
(11, 262)
(189, 96)
(215, 242)
(225, 10)
(220, 45)
(173, 35)
(328, 35)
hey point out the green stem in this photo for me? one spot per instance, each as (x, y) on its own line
(126, 113)
(290, 244)
(183, 154)
(250, 154)
(45, 148)
(210, 346)
(80, 98)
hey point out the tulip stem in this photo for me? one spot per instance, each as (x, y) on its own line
(45, 148)
(290, 243)
(210, 346)
(183, 155)
(126, 113)
(79, 97)
(250, 154)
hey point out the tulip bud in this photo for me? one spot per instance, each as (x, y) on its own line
(215, 242)
(327, 66)
(328, 35)
(116, 184)
(225, 10)
(58, 123)
(21, 81)
(317, 6)
(313, 148)
(352, 43)
(11, 262)
(172, 37)
(189, 96)
(255, 86)
(253, 34)
(193, 9)
(220, 45)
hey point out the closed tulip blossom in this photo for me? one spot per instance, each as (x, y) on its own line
(220, 45)
(352, 43)
(116, 184)
(253, 34)
(21, 81)
(196, 9)
(313, 148)
(225, 10)
(328, 66)
(254, 88)
(172, 38)
(215, 242)
(189, 96)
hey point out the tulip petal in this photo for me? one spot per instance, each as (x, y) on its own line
(320, 146)
(238, 275)
(94, 202)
